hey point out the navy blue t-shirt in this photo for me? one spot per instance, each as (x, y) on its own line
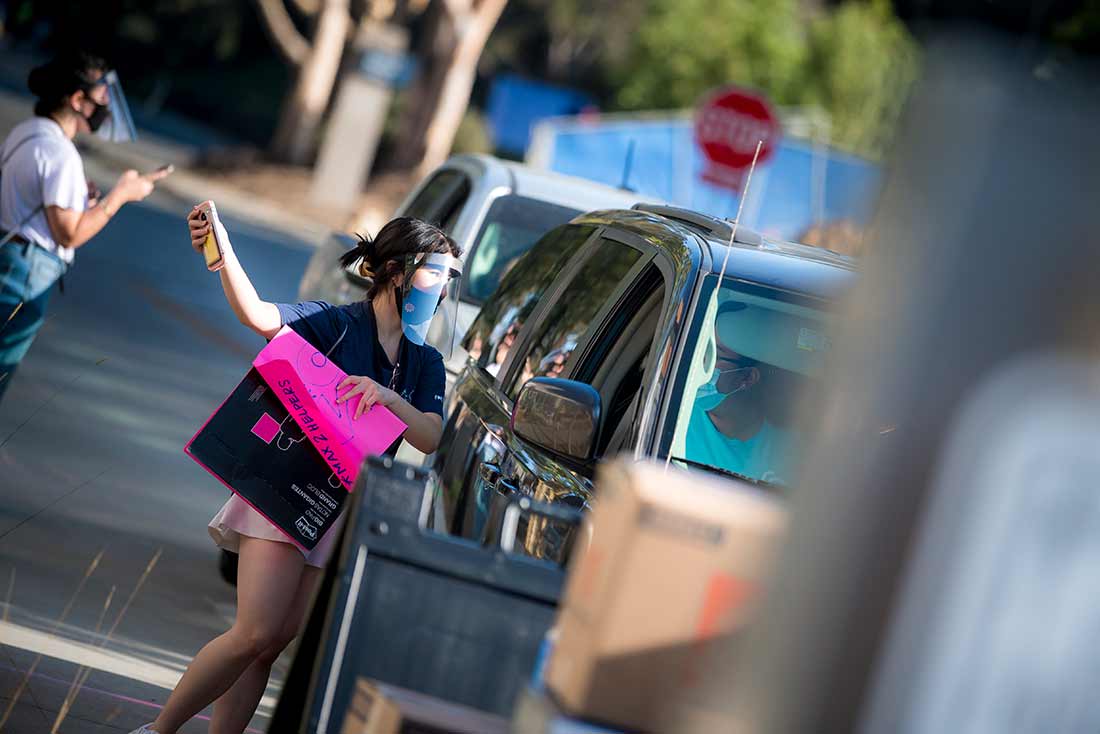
(421, 376)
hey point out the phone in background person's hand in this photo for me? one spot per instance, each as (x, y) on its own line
(212, 248)
(94, 194)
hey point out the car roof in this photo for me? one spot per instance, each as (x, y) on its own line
(556, 188)
(789, 266)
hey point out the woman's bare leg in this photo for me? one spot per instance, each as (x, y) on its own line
(268, 575)
(235, 708)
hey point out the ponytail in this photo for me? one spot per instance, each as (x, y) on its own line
(363, 252)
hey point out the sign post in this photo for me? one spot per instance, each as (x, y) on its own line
(728, 124)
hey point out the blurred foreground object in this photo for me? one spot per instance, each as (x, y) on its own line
(937, 576)
(382, 709)
(674, 561)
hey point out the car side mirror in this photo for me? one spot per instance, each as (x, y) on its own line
(559, 416)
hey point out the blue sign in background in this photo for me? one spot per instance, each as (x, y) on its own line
(515, 104)
(667, 164)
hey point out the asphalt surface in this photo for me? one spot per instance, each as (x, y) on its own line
(136, 354)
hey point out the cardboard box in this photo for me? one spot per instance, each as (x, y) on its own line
(254, 447)
(668, 564)
(282, 443)
(381, 709)
(371, 712)
(537, 713)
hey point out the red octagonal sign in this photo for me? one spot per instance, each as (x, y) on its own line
(728, 125)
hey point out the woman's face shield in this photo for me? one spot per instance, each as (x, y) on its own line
(118, 127)
(431, 281)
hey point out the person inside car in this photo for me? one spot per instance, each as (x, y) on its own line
(733, 424)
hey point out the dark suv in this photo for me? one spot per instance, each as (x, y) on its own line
(614, 334)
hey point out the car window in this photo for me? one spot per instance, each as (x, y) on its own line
(440, 200)
(512, 225)
(502, 317)
(564, 325)
(759, 357)
(617, 358)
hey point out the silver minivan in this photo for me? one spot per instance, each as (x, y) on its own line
(494, 209)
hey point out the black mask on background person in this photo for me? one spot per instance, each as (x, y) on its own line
(99, 116)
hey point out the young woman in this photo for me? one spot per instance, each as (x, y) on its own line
(46, 212)
(379, 342)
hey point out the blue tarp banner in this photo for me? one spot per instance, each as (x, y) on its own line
(799, 185)
(516, 104)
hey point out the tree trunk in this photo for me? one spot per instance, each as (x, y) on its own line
(442, 94)
(435, 51)
(300, 120)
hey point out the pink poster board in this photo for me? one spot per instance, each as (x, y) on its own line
(305, 382)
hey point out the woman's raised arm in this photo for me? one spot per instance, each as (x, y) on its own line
(257, 314)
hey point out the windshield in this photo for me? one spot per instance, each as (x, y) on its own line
(757, 359)
(512, 225)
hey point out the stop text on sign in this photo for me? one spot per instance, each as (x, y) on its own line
(728, 125)
(721, 126)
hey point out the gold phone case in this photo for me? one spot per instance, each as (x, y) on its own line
(211, 248)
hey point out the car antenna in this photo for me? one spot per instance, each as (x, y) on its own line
(740, 207)
(628, 165)
(733, 238)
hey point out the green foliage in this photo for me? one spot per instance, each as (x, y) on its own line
(685, 47)
(1082, 31)
(576, 43)
(208, 60)
(860, 64)
(855, 62)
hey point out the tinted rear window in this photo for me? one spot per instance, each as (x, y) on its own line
(501, 319)
(512, 226)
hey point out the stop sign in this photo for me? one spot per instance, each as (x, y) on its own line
(728, 124)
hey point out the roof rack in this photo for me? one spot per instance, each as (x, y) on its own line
(720, 228)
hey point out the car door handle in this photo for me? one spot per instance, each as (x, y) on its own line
(525, 505)
(500, 495)
(490, 449)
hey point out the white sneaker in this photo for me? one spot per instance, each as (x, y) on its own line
(144, 729)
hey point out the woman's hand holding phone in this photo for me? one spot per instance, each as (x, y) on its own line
(208, 236)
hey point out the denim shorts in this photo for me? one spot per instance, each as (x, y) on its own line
(27, 273)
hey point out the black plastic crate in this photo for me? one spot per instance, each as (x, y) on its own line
(430, 612)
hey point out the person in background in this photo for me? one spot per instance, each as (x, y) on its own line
(47, 207)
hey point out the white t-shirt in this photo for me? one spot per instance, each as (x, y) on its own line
(45, 170)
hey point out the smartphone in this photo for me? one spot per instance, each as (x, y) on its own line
(212, 248)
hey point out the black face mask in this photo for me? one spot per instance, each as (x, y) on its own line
(98, 116)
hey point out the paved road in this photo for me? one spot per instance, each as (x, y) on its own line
(136, 354)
